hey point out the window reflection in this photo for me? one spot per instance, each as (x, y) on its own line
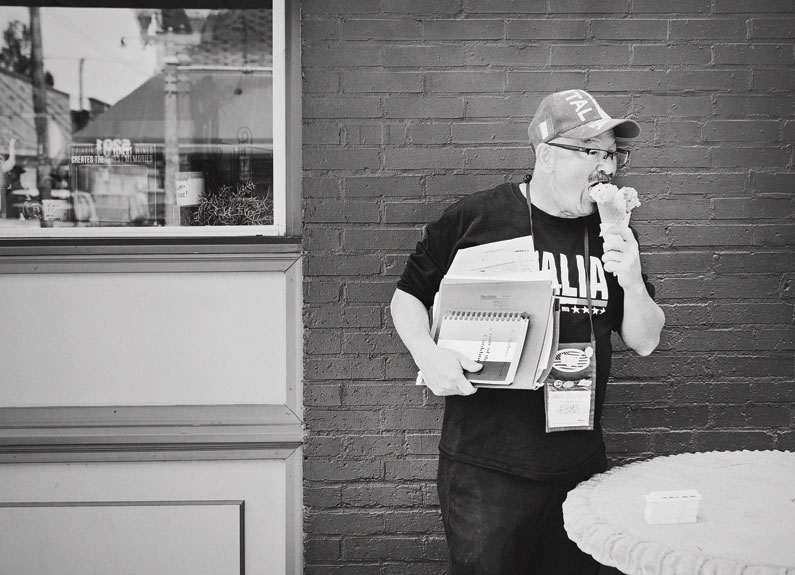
(181, 135)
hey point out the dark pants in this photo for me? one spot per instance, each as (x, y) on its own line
(501, 524)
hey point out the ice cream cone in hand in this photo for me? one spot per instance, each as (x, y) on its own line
(615, 206)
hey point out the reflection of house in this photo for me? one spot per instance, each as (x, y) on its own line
(17, 121)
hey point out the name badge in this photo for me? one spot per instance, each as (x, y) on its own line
(570, 388)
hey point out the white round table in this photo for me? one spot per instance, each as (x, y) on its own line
(746, 518)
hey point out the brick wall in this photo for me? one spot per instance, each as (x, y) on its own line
(409, 105)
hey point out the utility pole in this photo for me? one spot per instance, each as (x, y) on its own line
(43, 180)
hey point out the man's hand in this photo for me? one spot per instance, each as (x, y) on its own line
(443, 371)
(622, 258)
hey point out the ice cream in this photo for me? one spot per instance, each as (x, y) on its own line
(615, 206)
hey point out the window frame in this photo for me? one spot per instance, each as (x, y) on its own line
(286, 150)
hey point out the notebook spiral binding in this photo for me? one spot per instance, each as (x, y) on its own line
(485, 316)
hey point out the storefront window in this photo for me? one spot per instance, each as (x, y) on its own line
(137, 121)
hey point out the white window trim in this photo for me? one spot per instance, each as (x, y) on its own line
(284, 182)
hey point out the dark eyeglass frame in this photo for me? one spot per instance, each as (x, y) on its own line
(607, 154)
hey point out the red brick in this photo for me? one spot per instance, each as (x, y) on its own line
(342, 159)
(469, 29)
(743, 106)
(316, 29)
(621, 441)
(733, 441)
(341, 107)
(414, 521)
(753, 54)
(506, 158)
(458, 82)
(335, 55)
(500, 107)
(412, 469)
(413, 213)
(380, 30)
(730, 208)
(682, 106)
(312, 7)
(758, 156)
(344, 368)
(781, 79)
(677, 54)
(422, 443)
(738, 6)
(629, 29)
(508, 56)
(412, 418)
(753, 313)
(440, 7)
(776, 183)
(707, 28)
(341, 211)
(360, 291)
(586, 55)
(393, 495)
(393, 186)
(672, 6)
(742, 131)
(778, 28)
(588, 7)
(321, 187)
(335, 265)
(546, 29)
(347, 419)
(321, 548)
(678, 417)
(544, 82)
(423, 158)
(418, 57)
(318, 239)
(316, 81)
(755, 262)
(317, 394)
(774, 235)
(680, 314)
(668, 156)
(321, 341)
(322, 496)
(380, 548)
(426, 107)
(754, 365)
(709, 184)
(380, 394)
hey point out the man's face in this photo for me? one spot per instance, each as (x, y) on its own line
(575, 172)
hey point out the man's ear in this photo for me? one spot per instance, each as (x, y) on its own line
(545, 158)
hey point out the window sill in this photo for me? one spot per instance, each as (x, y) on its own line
(133, 255)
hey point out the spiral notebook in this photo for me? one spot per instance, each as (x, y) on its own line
(493, 339)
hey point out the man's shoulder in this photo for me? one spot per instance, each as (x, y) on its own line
(484, 200)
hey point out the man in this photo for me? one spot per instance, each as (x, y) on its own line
(502, 477)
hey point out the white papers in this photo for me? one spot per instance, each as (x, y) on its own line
(503, 277)
(505, 257)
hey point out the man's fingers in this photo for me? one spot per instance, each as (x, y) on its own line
(470, 365)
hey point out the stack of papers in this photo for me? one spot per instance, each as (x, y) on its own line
(502, 278)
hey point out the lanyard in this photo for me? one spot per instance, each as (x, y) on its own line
(586, 255)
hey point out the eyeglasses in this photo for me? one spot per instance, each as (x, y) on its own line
(620, 155)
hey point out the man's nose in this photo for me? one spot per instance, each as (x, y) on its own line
(608, 166)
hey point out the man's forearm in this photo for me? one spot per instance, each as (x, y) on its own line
(411, 322)
(643, 321)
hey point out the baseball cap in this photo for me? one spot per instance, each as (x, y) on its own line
(575, 114)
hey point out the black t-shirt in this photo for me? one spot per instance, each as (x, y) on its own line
(505, 429)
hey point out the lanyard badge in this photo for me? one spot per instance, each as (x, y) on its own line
(570, 387)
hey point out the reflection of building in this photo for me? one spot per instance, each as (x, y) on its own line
(209, 109)
(17, 122)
